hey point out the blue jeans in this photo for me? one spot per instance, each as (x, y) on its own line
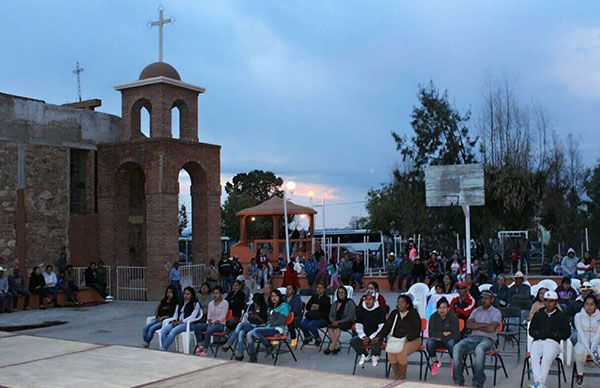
(433, 344)
(259, 333)
(204, 332)
(477, 345)
(6, 301)
(168, 334)
(239, 334)
(149, 330)
(310, 327)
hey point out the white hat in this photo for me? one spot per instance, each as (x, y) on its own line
(570, 250)
(392, 254)
(518, 274)
(551, 295)
(586, 286)
(240, 278)
(1, 269)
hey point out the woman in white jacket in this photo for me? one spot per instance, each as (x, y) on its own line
(187, 312)
(587, 324)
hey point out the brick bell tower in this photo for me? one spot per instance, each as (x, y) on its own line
(138, 185)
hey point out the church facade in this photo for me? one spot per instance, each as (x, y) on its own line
(94, 185)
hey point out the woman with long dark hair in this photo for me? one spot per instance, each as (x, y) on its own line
(404, 327)
(165, 309)
(341, 317)
(257, 314)
(275, 325)
(188, 311)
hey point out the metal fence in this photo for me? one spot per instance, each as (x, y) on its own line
(131, 283)
(193, 275)
(80, 277)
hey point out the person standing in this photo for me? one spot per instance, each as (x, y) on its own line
(310, 269)
(212, 274)
(548, 327)
(392, 271)
(16, 283)
(484, 322)
(103, 278)
(226, 273)
(263, 269)
(175, 280)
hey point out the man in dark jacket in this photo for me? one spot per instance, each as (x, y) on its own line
(16, 283)
(316, 316)
(226, 273)
(548, 327)
(500, 291)
(519, 295)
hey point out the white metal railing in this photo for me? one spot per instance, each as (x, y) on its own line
(79, 273)
(192, 275)
(131, 283)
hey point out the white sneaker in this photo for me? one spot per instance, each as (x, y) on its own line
(362, 360)
(375, 360)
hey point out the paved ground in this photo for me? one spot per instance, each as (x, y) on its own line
(120, 323)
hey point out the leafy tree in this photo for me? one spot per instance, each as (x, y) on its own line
(183, 218)
(592, 190)
(247, 190)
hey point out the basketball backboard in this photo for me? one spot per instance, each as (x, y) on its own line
(454, 185)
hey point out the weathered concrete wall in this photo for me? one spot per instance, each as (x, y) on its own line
(24, 120)
(8, 202)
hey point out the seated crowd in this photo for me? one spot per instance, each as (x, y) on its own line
(465, 323)
(46, 283)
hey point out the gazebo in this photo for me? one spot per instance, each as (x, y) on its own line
(273, 207)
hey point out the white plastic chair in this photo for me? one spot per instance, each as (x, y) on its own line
(185, 342)
(576, 283)
(565, 348)
(349, 291)
(596, 284)
(484, 287)
(547, 283)
(419, 291)
(534, 290)
(283, 290)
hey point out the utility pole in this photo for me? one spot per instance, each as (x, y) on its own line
(78, 70)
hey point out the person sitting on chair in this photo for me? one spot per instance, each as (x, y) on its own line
(295, 302)
(341, 317)
(236, 300)
(548, 327)
(463, 304)
(316, 316)
(403, 324)
(483, 322)
(188, 311)
(165, 309)
(373, 285)
(215, 321)
(444, 333)
(587, 324)
(370, 319)
(275, 325)
(256, 315)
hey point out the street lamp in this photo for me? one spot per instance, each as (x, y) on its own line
(290, 186)
(311, 195)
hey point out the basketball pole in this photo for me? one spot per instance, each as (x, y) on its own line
(467, 212)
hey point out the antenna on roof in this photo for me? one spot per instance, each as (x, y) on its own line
(78, 70)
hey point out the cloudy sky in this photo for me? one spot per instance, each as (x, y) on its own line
(312, 89)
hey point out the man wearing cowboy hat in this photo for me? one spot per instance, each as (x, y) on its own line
(519, 295)
(548, 327)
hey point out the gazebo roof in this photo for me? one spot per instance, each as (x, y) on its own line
(274, 207)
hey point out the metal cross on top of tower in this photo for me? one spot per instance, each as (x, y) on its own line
(78, 70)
(160, 23)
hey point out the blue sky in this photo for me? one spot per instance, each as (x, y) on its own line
(315, 87)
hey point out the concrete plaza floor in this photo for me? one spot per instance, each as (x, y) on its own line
(101, 346)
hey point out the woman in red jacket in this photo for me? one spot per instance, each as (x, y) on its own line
(290, 276)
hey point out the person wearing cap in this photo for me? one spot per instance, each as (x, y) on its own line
(483, 322)
(247, 291)
(586, 289)
(538, 303)
(463, 304)
(587, 325)
(392, 271)
(16, 284)
(6, 298)
(370, 318)
(519, 295)
(548, 327)
(569, 264)
(566, 293)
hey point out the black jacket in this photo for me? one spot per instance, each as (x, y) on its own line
(437, 326)
(91, 277)
(237, 303)
(225, 268)
(555, 326)
(324, 308)
(409, 326)
(36, 282)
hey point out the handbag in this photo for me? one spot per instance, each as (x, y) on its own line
(394, 345)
